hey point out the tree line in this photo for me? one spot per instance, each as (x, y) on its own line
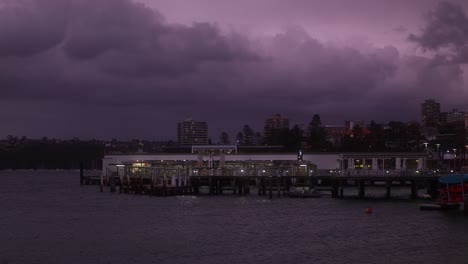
(396, 136)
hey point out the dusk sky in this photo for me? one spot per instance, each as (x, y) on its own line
(132, 69)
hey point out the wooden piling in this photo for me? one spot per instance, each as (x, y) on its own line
(112, 183)
(283, 182)
(388, 189)
(362, 189)
(152, 185)
(334, 184)
(341, 187)
(141, 188)
(465, 206)
(270, 183)
(121, 182)
(128, 183)
(81, 173)
(414, 190)
(210, 184)
(246, 184)
(278, 183)
(263, 182)
(101, 183)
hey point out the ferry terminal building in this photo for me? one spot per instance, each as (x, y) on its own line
(226, 160)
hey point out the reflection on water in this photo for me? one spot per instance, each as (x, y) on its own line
(46, 217)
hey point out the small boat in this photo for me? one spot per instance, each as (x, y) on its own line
(304, 193)
(439, 206)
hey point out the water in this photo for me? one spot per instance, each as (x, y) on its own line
(46, 217)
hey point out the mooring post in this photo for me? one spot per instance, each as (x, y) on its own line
(341, 189)
(112, 183)
(102, 182)
(264, 185)
(121, 182)
(414, 190)
(246, 185)
(270, 183)
(465, 205)
(177, 185)
(279, 185)
(362, 190)
(141, 190)
(128, 183)
(259, 186)
(152, 185)
(81, 172)
(164, 186)
(389, 189)
(240, 186)
(334, 184)
(198, 185)
(283, 183)
(210, 185)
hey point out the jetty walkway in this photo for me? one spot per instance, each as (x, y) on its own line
(266, 184)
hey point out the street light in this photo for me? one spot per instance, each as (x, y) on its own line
(438, 156)
(464, 156)
(455, 158)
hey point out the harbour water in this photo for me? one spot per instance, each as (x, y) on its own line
(47, 217)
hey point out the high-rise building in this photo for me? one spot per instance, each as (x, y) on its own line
(456, 116)
(190, 132)
(274, 124)
(430, 113)
(466, 121)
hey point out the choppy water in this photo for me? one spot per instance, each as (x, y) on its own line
(46, 217)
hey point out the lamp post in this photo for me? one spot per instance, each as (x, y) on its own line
(438, 156)
(464, 156)
(454, 159)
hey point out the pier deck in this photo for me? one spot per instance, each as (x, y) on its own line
(265, 185)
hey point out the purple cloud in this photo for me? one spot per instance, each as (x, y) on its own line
(116, 68)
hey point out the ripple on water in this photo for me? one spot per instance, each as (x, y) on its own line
(46, 217)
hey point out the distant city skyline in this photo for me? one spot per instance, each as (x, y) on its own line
(133, 69)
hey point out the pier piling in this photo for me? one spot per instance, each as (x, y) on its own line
(270, 183)
(362, 189)
(414, 190)
(81, 173)
(388, 189)
(278, 183)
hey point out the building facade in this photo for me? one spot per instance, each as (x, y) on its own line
(274, 123)
(466, 121)
(456, 116)
(430, 113)
(190, 132)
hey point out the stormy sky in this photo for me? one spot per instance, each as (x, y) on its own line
(132, 69)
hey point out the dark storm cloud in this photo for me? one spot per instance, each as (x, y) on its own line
(447, 28)
(114, 31)
(118, 69)
(30, 27)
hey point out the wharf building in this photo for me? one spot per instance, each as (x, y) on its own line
(274, 123)
(190, 132)
(226, 160)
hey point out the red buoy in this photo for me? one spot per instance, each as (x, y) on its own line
(369, 210)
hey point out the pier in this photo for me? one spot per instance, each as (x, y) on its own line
(160, 182)
(221, 170)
